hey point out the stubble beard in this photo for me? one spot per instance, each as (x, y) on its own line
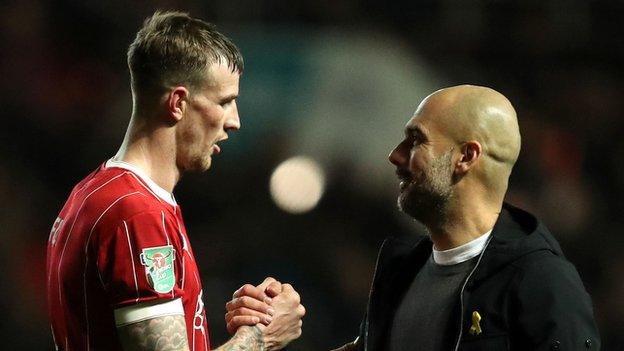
(427, 198)
(199, 161)
(191, 155)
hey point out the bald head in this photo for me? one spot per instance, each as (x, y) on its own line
(472, 113)
(468, 112)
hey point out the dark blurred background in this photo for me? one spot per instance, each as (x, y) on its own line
(334, 81)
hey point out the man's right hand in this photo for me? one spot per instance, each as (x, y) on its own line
(272, 303)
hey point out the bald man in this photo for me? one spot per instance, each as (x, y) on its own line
(488, 276)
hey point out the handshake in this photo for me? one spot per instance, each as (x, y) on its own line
(272, 311)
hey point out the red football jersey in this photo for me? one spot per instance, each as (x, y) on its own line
(119, 240)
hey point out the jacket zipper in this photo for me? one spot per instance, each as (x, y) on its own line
(461, 295)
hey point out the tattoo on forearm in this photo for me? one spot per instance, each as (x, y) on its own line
(167, 333)
(247, 339)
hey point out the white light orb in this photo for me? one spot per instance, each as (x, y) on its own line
(297, 184)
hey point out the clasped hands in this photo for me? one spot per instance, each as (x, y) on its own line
(273, 307)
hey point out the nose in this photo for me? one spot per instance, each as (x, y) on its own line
(397, 157)
(232, 122)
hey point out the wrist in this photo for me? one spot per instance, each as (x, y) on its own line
(249, 336)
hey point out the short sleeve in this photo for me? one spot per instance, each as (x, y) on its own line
(138, 259)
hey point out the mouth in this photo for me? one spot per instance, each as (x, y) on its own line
(216, 149)
(405, 178)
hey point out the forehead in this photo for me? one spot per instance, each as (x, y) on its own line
(420, 123)
(221, 79)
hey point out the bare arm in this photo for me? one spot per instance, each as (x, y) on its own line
(246, 338)
(166, 333)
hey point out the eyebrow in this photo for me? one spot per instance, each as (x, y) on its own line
(229, 97)
(416, 132)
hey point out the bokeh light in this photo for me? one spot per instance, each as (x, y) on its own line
(297, 184)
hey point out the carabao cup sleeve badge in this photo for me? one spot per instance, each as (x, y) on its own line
(158, 262)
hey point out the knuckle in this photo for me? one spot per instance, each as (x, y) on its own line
(247, 289)
(274, 285)
(301, 310)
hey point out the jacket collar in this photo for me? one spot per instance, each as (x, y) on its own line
(515, 234)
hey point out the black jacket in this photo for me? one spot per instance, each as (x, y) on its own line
(528, 295)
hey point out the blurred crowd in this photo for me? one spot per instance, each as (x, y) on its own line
(65, 103)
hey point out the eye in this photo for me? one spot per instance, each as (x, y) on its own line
(227, 102)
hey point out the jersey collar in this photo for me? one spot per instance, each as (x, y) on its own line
(155, 188)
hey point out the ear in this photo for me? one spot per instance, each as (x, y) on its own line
(470, 154)
(177, 102)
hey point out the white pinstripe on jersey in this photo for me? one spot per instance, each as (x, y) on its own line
(84, 275)
(136, 284)
(162, 214)
(58, 272)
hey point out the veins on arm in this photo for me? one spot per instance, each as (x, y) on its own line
(166, 333)
(246, 338)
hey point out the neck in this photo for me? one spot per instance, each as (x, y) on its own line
(463, 224)
(152, 149)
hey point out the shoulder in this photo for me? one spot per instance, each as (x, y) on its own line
(543, 264)
(543, 273)
(115, 196)
(119, 192)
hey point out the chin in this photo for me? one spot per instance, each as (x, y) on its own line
(416, 204)
(200, 164)
(205, 164)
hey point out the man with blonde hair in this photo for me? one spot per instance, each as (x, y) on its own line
(121, 270)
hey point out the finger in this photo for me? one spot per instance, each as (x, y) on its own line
(252, 291)
(267, 281)
(301, 311)
(270, 281)
(273, 289)
(239, 321)
(288, 290)
(250, 303)
(264, 318)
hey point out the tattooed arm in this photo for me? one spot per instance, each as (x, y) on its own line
(246, 338)
(284, 327)
(166, 333)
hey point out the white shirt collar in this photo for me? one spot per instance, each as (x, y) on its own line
(155, 188)
(461, 253)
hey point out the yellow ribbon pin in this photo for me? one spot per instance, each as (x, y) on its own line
(475, 329)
